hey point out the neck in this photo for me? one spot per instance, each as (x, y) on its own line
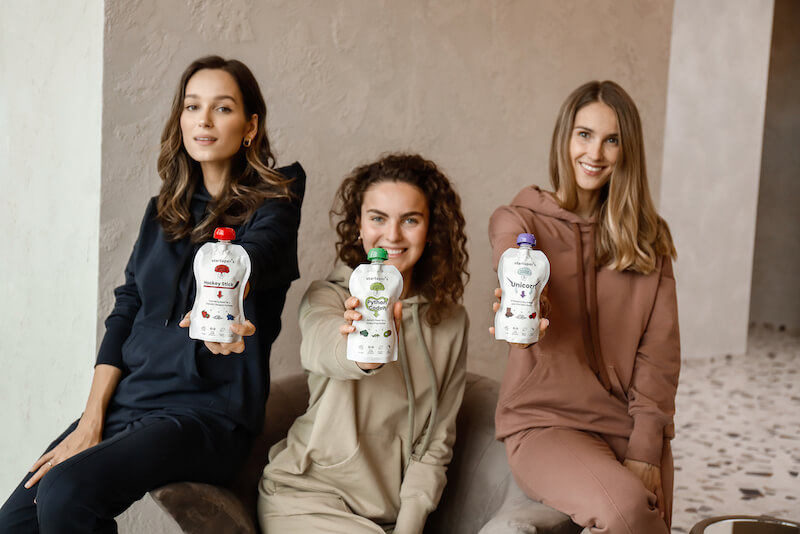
(587, 203)
(215, 173)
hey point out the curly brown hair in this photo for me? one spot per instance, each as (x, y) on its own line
(252, 178)
(441, 272)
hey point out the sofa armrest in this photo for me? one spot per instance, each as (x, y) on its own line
(201, 508)
(481, 494)
(519, 514)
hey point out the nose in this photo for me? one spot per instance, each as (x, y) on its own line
(204, 121)
(595, 150)
(393, 232)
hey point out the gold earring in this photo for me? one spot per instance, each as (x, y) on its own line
(247, 142)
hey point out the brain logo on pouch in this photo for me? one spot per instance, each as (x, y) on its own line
(222, 270)
(376, 304)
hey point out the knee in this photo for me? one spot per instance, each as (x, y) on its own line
(57, 499)
(630, 513)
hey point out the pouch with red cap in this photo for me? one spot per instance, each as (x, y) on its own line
(221, 271)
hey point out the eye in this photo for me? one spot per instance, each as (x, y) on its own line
(224, 109)
(411, 221)
(612, 140)
(191, 107)
(376, 219)
(584, 135)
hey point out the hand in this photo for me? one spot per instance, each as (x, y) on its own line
(350, 315)
(245, 330)
(543, 323)
(80, 439)
(650, 476)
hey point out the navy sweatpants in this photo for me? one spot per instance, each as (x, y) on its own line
(84, 493)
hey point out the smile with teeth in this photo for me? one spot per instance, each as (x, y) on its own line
(590, 168)
(393, 251)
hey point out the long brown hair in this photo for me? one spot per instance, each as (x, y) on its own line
(252, 177)
(631, 235)
(441, 272)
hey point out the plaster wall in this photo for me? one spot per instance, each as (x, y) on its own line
(50, 111)
(776, 261)
(472, 84)
(712, 162)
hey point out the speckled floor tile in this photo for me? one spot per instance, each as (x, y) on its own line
(737, 444)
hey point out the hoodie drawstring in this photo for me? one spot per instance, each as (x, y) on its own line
(410, 390)
(591, 339)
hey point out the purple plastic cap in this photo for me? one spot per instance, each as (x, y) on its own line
(526, 239)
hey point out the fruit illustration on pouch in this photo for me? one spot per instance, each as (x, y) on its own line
(205, 314)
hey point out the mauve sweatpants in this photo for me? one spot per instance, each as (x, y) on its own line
(84, 493)
(581, 474)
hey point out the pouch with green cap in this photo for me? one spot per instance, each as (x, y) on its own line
(377, 286)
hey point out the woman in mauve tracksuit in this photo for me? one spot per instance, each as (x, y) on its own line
(586, 413)
(163, 407)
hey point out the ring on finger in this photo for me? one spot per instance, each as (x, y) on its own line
(49, 463)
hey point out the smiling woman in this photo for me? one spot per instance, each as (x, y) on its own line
(373, 447)
(586, 413)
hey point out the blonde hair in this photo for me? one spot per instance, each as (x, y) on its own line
(631, 235)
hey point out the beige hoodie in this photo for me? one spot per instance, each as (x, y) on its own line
(610, 359)
(357, 438)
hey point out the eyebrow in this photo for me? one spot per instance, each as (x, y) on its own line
(614, 134)
(409, 214)
(216, 98)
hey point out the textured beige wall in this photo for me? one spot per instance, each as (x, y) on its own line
(473, 84)
(776, 263)
(712, 158)
(50, 119)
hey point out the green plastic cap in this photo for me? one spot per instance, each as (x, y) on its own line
(379, 254)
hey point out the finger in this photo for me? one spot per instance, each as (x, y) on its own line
(491, 330)
(213, 347)
(498, 293)
(351, 303)
(398, 312)
(543, 324)
(352, 315)
(43, 459)
(245, 329)
(660, 501)
(232, 348)
(246, 289)
(346, 329)
(186, 320)
(495, 307)
(36, 477)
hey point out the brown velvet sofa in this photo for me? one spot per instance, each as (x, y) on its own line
(480, 497)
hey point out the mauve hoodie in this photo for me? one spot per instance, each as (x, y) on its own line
(610, 359)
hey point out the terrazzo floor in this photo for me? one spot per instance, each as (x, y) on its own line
(737, 444)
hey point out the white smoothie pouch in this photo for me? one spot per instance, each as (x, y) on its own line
(523, 273)
(221, 271)
(377, 287)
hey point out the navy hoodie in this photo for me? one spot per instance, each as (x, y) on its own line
(163, 370)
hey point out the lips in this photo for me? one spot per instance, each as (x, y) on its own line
(591, 170)
(204, 140)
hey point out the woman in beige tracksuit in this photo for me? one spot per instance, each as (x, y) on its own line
(370, 453)
(586, 413)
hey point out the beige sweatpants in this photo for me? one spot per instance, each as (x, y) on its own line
(301, 512)
(581, 474)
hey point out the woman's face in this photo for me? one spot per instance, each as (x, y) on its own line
(394, 216)
(213, 122)
(594, 146)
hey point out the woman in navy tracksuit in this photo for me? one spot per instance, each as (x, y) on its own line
(163, 407)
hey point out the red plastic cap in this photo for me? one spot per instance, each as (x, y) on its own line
(225, 234)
